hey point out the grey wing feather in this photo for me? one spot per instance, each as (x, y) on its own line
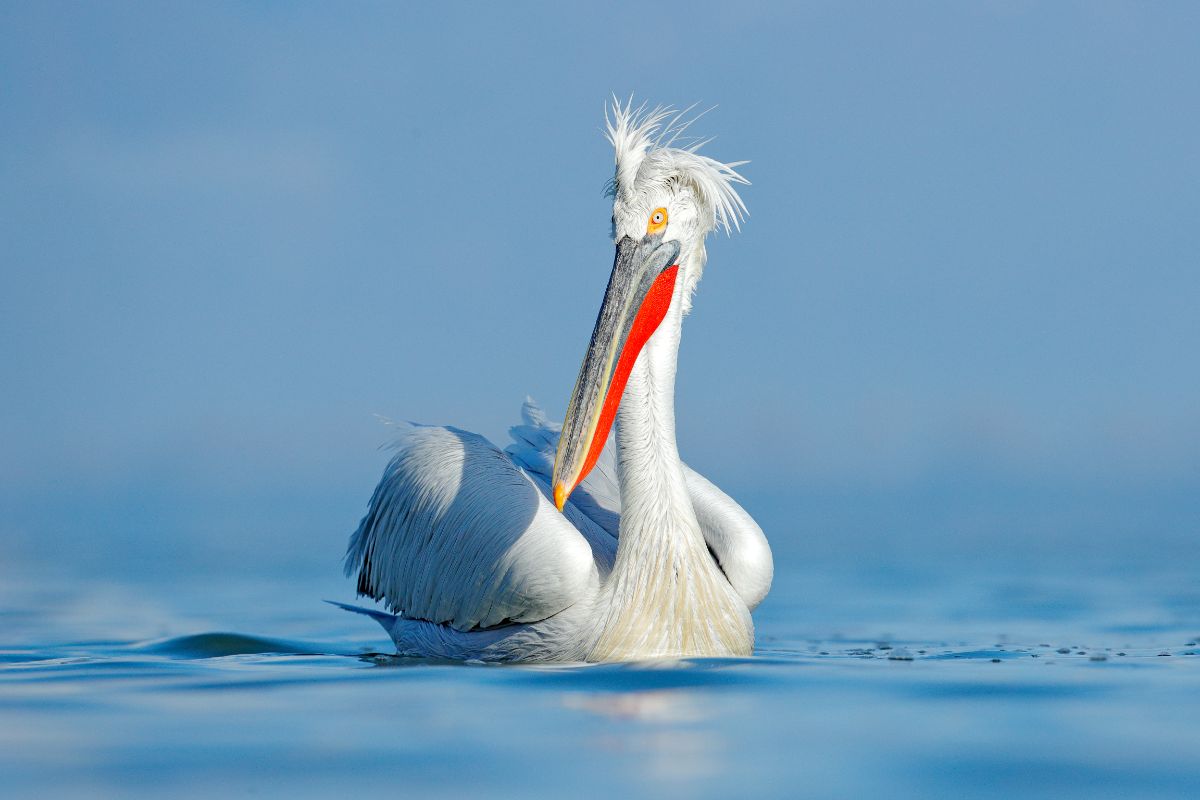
(456, 534)
(533, 446)
(734, 538)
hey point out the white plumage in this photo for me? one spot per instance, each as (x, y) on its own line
(464, 542)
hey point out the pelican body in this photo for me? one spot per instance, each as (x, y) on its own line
(571, 545)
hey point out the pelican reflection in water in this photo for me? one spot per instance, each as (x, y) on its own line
(567, 546)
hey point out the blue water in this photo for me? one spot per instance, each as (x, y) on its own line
(984, 680)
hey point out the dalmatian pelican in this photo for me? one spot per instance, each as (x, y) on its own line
(569, 546)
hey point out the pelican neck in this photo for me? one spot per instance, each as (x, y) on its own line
(653, 490)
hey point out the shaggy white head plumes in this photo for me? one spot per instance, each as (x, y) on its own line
(643, 140)
(658, 167)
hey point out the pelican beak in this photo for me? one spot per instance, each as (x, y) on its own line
(635, 303)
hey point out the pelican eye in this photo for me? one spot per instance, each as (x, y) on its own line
(658, 221)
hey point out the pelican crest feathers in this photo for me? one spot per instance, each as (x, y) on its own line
(652, 145)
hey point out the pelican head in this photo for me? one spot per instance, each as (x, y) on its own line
(666, 200)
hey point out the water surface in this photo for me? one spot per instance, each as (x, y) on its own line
(982, 680)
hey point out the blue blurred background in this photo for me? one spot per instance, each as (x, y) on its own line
(960, 322)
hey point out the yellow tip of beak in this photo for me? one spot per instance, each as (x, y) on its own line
(560, 496)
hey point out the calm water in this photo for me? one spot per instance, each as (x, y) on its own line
(989, 681)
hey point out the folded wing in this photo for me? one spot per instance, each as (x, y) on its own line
(456, 534)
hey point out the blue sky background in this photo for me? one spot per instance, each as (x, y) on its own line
(961, 320)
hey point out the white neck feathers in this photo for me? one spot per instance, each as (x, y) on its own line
(667, 595)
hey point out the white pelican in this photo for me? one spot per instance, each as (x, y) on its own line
(498, 556)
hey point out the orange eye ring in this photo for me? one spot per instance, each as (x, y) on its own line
(657, 221)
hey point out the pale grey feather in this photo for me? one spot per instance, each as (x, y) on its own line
(456, 534)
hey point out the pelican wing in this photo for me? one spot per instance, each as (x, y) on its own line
(598, 497)
(456, 534)
(735, 539)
